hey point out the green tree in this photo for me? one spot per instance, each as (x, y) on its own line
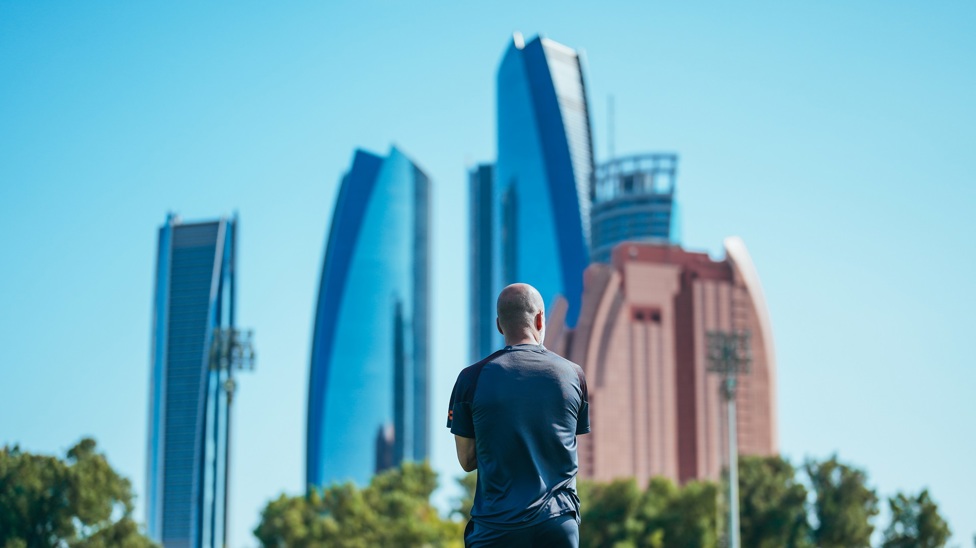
(609, 513)
(673, 516)
(79, 501)
(292, 521)
(468, 483)
(401, 497)
(844, 507)
(394, 510)
(772, 504)
(915, 523)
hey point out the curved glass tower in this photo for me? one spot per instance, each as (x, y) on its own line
(368, 379)
(542, 179)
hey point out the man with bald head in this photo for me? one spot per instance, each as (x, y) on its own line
(515, 416)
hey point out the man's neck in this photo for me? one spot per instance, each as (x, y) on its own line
(526, 339)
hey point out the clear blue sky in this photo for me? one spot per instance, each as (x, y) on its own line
(837, 139)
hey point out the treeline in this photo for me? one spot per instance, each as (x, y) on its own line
(80, 501)
(824, 504)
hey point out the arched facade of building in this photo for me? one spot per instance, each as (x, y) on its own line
(641, 340)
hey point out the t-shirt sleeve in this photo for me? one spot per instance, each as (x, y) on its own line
(459, 418)
(583, 414)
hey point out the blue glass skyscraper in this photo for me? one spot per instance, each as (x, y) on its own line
(368, 379)
(188, 412)
(542, 182)
(482, 296)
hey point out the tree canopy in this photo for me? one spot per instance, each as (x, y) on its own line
(609, 513)
(393, 510)
(79, 501)
(772, 504)
(776, 510)
(915, 523)
(620, 515)
(845, 506)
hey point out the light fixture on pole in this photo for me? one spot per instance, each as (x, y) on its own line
(729, 355)
(231, 350)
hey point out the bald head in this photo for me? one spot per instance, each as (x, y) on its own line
(521, 313)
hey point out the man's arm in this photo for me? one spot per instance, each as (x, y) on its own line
(583, 413)
(466, 453)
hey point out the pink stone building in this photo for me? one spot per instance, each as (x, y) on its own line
(640, 338)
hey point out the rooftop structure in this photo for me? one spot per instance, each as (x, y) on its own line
(633, 200)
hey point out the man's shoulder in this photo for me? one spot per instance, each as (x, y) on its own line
(556, 358)
(474, 368)
(470, 374)
(577, 371)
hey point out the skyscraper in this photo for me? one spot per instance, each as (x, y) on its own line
(633, 201)
(542, 179)
(482, 301)
(642, 342)
(368, 378)
(188, 412)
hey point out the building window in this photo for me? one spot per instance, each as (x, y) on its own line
(646, 314)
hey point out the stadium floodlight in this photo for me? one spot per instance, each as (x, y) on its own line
(729, 355)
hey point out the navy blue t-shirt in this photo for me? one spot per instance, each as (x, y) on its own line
(524, 407)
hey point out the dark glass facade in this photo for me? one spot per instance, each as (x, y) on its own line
(634, 201)
(368, 378)
(188, 407)
(482, 302)
(543, 174)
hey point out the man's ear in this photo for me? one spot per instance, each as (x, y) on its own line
(498, 326)
(540, 321)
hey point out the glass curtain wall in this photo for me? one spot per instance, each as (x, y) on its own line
(482, 298)
(368, 383)
(543, 174)
(188, 408)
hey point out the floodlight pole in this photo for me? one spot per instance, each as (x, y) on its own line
(729, 355)
(729, 391)
(231, 350)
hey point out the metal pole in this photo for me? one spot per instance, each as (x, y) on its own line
(733, 465)
(215, 378)
(729, 355)
(229, 383)
(231, 350)
(229, 386)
